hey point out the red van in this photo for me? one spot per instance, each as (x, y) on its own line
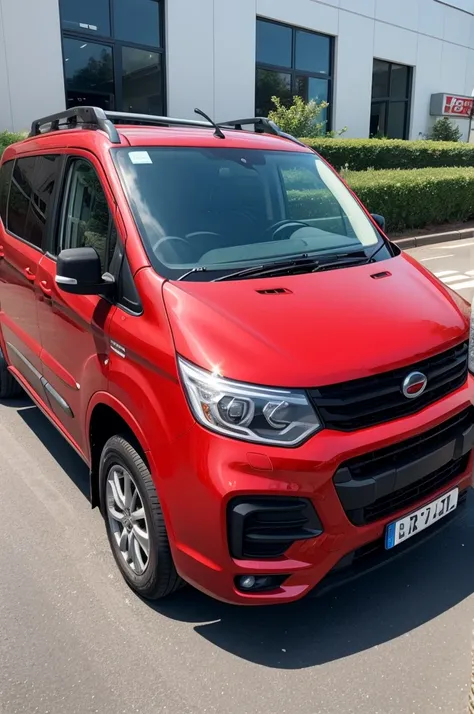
(270, 395)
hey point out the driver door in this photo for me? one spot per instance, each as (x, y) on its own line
(73, 327)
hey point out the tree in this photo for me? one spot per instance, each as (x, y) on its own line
(445, 130)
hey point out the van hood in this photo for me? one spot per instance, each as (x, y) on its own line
(316, 329)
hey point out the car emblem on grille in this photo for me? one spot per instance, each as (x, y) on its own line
(414, 385)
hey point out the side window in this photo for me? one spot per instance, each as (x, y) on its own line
(42, 189)
(5, 178)
(87, 220)
(32, 186)
(20, 196)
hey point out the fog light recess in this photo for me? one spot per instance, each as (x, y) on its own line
(258, 583)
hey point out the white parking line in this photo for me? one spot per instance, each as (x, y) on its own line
(437, 257)
(462, 286)
(450, 279)
(443, 273)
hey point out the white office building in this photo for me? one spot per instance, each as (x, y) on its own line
(377, 62)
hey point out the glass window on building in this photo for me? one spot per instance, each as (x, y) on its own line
(391, 92)
(292, 61)
(114, 54)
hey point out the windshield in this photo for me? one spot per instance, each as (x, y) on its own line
(222, 209)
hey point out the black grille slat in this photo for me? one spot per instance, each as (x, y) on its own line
(400, 500)
(453, 440)
(375, 400)
(265, 527)
(411, 449)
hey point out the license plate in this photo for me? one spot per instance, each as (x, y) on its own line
(400, 531)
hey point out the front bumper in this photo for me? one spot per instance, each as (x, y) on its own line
(206, 472)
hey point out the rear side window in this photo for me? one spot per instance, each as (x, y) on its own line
(31, 193)
(5, 178)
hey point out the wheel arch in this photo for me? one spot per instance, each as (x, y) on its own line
(107, 417)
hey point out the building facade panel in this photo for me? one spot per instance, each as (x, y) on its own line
(386, 58)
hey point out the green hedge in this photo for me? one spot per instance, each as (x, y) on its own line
(7, 138)
(363, 154)
(407, 199)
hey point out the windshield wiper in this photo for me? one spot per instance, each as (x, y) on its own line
(342, 260)
(375, 252)
(291, 267)
(302, 263)
(199, 269)
(268, 269)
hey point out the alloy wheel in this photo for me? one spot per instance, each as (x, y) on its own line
(127, 519)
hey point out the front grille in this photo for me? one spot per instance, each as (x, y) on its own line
(400, 500)
(265, 527)
(374, 400)
(384, 482)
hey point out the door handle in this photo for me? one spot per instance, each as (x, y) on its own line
(29, 274)
(44, 287)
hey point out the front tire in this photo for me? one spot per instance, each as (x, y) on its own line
(134, 521)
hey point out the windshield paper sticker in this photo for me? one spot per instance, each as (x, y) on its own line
(140, 157)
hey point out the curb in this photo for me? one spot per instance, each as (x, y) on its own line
(433, 238)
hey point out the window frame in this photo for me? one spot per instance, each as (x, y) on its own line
(118, 262)
(388, 100)
(10, 162)
(43, 248)
(68, 178)
(294, 72)
(116, 46)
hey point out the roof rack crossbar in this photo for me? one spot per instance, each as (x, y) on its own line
(78, 116)
(151, 120)
(262, 126)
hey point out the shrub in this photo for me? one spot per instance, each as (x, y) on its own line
(445, 130)
(7, 138)
(363, 154)
(407, 199)
(299, 119)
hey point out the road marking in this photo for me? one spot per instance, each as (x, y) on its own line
(454, 278)
(437, 257)
(462, 286)
(443, 273)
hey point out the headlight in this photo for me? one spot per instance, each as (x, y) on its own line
(282, 417)
(471, 342)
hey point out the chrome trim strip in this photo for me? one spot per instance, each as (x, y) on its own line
(46, 385)
(27, 362)
(62, 280)
(57, 397)
(118, 349)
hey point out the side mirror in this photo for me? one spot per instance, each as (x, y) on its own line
(78, 271)
(380, 221)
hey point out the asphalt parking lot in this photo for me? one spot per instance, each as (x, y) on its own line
(74, 639)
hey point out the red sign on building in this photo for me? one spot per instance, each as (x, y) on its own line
(458, 106)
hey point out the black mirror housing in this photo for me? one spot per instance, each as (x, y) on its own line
(78, 271)
(380, 221)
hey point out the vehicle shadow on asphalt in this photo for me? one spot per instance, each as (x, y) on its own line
(385, 604)
(380, 606)
(57, 446)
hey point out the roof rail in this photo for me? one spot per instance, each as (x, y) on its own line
(94, 117)
(262, 126)
(88, 117)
